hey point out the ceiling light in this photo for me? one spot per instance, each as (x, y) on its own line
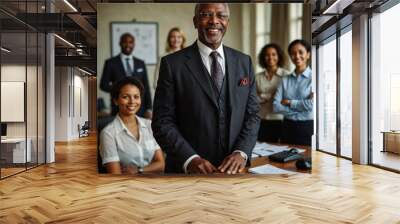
(64, 40)
(70, 5)
(337, 7)
(5, 50)
(84, 71)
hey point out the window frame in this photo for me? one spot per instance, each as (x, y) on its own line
(371, 14)
(333, 37)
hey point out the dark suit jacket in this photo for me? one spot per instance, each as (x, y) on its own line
(114, 71)
(185, 113)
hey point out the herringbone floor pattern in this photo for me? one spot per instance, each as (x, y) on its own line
(71, 191)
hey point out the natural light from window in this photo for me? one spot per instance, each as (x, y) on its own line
(385, 80)
(327, 96)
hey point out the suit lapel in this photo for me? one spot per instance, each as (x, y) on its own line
(196, 67)
(134, 67)
(231, 62)
(121, 66)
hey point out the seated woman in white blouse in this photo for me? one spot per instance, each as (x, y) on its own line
(127, 144)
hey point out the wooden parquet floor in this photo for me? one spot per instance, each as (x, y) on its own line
(71, 191)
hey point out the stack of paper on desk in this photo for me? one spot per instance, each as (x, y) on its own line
(265, 149)
(269, 169)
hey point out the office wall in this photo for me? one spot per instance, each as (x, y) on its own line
(33, 126)
(71, 102)
(17, 72)
(81, 103)
(92, 98)
(167, 16)
(62, 104)
(25, 61)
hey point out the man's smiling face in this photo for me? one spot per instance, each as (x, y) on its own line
(211, 22)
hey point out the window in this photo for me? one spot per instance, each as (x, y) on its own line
(263, 27)
(346, 94)
(296, 20)
(22, 65)
(385, 85)
(327, 96)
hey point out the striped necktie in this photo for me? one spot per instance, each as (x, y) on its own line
(128, 67)
(216, 71)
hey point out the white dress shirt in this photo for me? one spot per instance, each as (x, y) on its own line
(124, 57)
(207, 61)
(118, 144)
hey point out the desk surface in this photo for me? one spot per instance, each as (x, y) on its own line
(288, 165)
(391, 132)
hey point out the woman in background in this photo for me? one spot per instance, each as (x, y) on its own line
(127, 144)
(272, 59)
(294, 97)
(175, 41)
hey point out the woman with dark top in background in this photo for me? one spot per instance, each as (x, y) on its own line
(294, 97)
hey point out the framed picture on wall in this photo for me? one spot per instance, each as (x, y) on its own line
(146, 39)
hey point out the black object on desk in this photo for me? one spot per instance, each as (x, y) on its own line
(3, 129)
(304, 164)
(286, 156)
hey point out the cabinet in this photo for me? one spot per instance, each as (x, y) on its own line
(13, 150)
(391, 141)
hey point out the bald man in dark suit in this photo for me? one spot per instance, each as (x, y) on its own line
(205, 107)
(125, 64)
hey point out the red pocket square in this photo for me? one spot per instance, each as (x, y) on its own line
(244, 81)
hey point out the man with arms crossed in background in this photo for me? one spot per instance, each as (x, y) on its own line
(205, 106)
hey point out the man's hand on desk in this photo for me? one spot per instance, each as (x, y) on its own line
(202, 166)
(232, 164)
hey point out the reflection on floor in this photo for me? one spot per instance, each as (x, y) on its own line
(387, 159)
(71, 191)
(10, 169)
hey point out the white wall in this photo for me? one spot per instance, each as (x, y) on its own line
(33, 127)
(12, 73)
(69, 85)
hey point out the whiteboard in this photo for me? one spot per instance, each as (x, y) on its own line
(12, 101)
(146, 39)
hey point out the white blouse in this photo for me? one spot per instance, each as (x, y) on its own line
(117, 144)
(266, 91)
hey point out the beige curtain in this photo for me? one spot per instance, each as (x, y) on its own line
(280, 25)
(306, 25)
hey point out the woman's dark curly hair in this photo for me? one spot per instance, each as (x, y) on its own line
(279, 51)
(304, 43)
(129, 80)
